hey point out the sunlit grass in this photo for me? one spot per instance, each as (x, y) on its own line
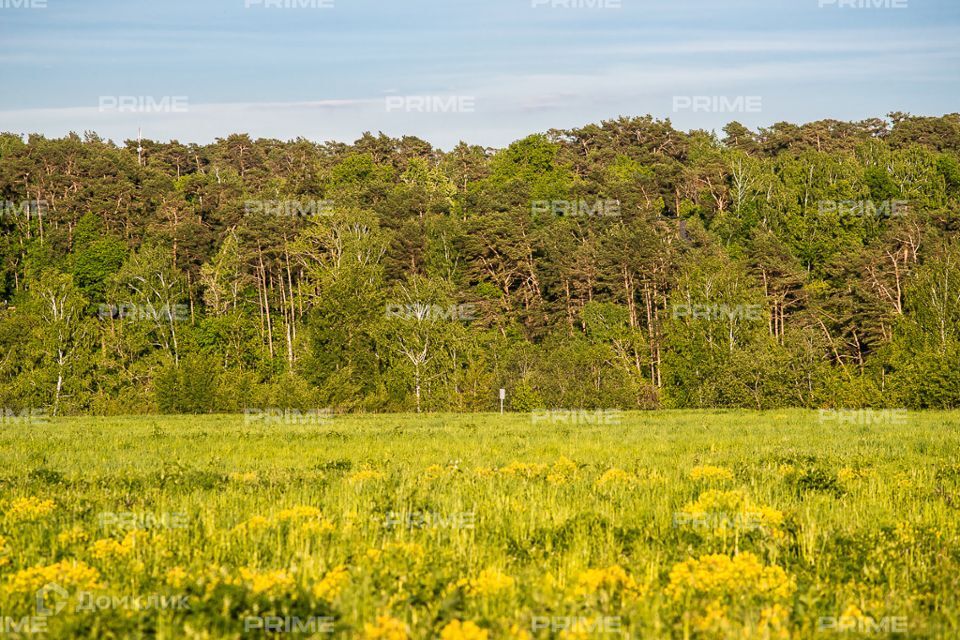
(408, 522)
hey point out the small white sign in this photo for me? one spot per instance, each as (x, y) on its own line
(503, 394)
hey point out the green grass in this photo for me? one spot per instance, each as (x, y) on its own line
(869, 518)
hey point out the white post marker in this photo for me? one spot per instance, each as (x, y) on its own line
(503, 395)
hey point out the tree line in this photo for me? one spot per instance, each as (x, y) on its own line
(624, 264)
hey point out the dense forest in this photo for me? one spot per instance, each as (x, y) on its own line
(619, 265)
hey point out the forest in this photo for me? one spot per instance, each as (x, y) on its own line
(621, 265)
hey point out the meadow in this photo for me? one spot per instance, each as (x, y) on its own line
(685, 524)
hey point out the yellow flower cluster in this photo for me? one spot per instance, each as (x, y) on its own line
(272, 582)
(332, 584)
(73, 535)
(112, 549)
(175, 577)
(722, 512)
(710, 473)
(524, 470)
(516, 632)
(109, 549)
(308, 519)
(457, 630)
(612, 478)
(365, 475)
(4, 552)
(785, 469)
(563, 470)
(719, 575)
(29, 508)
(248, 477)
(386, 628)
(560, 472)
(436, 472)
(612, 579)
(488, 582)
(719, 621)
(849, 475)
(256, 523)
(411, 551)
(69, 574)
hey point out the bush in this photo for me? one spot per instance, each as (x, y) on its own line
(190, 387)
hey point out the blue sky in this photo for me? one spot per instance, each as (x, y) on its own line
(325, 73)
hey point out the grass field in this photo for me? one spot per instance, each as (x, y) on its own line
(673, 525)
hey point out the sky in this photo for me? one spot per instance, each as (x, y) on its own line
(483, 71)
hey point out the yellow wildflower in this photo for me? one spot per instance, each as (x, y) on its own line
(524, 470)
(332, 583)
(256, 523)
(318, 527)
(488, 582)
(720, 575)
(175, 577)
(73, 535)
(457, 630)
(109, 549)
(435, 472)
(611, 579)
(29, 508)
(516, 632)
(386, 628)
(271, 582)
(720, 512)
(69, 574)
(409, 550)
(562, 471)
(364, 475)
(612, 478)
(711, 473)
